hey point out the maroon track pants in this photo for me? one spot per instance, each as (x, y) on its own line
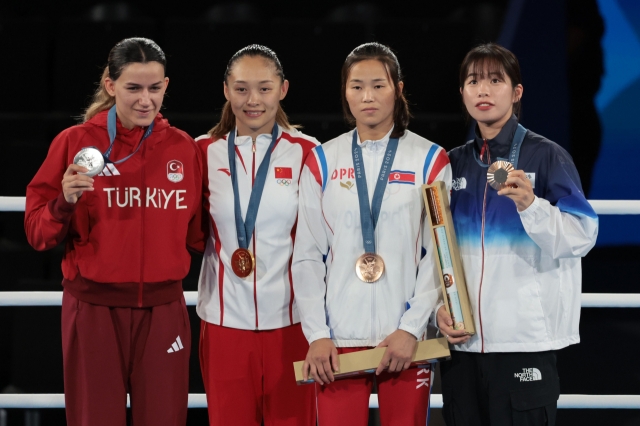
(109, 352)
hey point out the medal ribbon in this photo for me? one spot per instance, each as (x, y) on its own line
(111, 128)
(514, 149)
(369, 214)
(244, 228)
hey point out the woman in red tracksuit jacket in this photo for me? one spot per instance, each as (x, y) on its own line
(125, 327)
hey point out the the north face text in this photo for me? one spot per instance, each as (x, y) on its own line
(529, 375)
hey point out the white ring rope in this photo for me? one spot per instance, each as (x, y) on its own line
(199, 400)
(17, 204)
(54, 298)
(12, 204)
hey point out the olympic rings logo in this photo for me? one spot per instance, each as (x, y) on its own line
(283, 182)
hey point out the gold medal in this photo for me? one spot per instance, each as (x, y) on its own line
(242, 262)
(369, 267)
(498, 173)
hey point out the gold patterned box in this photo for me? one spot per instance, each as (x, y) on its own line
(454, 287)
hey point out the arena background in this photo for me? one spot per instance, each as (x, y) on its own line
(581, 72)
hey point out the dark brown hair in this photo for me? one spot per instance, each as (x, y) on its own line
(227, 119)
(127, 51)
(382, 53)
(496, 60)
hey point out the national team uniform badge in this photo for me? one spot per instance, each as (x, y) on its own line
(175, 171)
(402, 176)
(284, 175)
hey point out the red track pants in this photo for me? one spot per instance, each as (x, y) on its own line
(403, 398)
(248, 376)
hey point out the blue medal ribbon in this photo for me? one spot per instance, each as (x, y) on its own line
(244, 228)
(516, 143)
(111, 128)
(369, 214)
(514, 148)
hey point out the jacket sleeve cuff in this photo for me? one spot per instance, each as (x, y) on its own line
(530, 211)
(323, 334)
(417, 332)
(434, 315)
(60, 209)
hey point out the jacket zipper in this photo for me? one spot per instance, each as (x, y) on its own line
(484, 206)
(374, 334)
(255, 280)
(140, 285)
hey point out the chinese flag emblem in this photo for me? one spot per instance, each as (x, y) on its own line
(283, 173)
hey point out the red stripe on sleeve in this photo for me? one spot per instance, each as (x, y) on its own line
(441, 162)
(312, 164)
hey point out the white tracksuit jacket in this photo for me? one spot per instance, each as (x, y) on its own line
(264, 300)
(333, 302)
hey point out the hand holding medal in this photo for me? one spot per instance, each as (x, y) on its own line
(518, 188)
(507, 180)
(75, 181)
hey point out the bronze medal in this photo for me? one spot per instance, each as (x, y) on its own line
(498, 173)
(369, 267)
(242, 262)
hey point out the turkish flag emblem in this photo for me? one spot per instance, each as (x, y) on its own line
(175, 171)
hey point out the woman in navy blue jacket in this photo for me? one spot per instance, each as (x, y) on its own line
(522, 224)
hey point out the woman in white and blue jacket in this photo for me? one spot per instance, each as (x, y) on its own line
(521, 247)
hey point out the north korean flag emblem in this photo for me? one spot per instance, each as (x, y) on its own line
(402, 176)
(284, 175)
(175, 171)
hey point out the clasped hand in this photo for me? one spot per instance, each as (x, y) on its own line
(322, 360)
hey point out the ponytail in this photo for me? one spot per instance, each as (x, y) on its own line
(101, 101)
(225, 125)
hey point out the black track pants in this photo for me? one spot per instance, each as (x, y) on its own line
(500, 389)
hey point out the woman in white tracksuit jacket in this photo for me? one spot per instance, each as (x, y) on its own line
(251, 332)
(339, 312)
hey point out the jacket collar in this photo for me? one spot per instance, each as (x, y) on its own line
(377, 145)
(498, 146)
(131, 137)
(262, 139)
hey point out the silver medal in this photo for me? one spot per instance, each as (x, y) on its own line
(91, 159)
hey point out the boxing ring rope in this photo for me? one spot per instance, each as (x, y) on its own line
(54, 298)
(198, 400)
(17, 204)
(589, 300)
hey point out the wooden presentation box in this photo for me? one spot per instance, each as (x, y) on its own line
(447, 256)
(366, 362)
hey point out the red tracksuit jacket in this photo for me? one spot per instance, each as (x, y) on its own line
(126, 241)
